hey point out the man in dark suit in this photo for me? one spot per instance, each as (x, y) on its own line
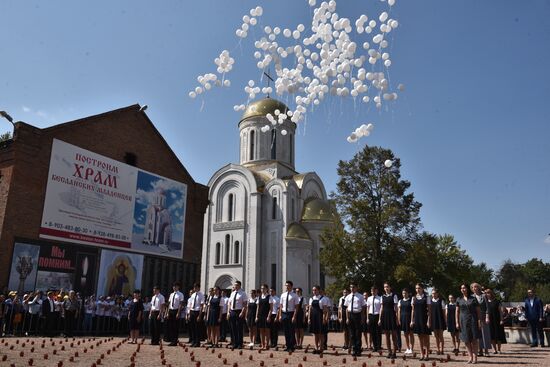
(48, 313)
(534, 312)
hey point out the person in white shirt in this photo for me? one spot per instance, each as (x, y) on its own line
(274, 329)
(263, 315)
(175, 304)
(237, 313)
(317, 318)
(155, 316)
(225, 325)
(388, 319)
(289, 306)
(355, 309)
(330, 318)
(342, 319)
(300, 319)
(195, 305)
(374, 303)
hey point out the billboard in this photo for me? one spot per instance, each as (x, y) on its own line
(52, 266)
(95, 200)
(119, 273)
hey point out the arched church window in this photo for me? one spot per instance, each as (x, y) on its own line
(252, 143)
(274, 208)
(227, 249)
(230, 205)
(273, 144)
(236, 252)
(293, 209)
(218, 253)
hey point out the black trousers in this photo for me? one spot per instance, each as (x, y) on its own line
(290, 330)
(537, 334)
(194, 331)
(173, 326)
(273, 332)
(374, 331)
(69, 322)
(154, 326)
(355, 332)
(237, 325)
(49, 326)
(223, 327)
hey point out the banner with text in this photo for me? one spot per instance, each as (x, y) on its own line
(92, 199)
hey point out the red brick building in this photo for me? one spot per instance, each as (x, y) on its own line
(125, 135)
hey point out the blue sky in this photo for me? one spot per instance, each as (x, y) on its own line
(472, 128)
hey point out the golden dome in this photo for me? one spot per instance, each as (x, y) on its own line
(317, 210)
(297, 231)
(263, 107)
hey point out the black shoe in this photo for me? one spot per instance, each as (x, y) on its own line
(173, 344)
(389, 356)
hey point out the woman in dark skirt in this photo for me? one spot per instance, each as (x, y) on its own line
(494, 309)
(438, 320)
(263, 315)
(135, 316)
(450, 311)
(318, 318)
(467, 316)
(214, 315)
(421, 320)
(365, 327)
(300, 321)
(404, 313)
(388, 319)
(251, 317)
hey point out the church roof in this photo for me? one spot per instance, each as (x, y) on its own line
(317, 210)
(262, 107)
(297, 231)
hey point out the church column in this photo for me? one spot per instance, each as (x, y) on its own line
(206, 249)
(252, 243)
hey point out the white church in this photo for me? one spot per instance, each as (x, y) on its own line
(264, 219)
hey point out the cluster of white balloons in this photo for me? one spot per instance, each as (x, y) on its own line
(362, 131)
(224, 65)
(388, 163)
(249, 21)
(323, 60)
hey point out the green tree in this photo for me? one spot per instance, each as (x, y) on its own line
(514, 279)
(5, 136)
(377, 219)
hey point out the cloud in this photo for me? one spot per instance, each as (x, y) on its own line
(547, 239)
(38, 113)
(168, 185)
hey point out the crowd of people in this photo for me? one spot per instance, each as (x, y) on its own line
(474, 317)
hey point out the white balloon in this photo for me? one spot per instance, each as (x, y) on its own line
(192, 94)
(283, 132)
(388, 163)
(401, 87)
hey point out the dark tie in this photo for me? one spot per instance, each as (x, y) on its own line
(194, 301)
(234, 300)
(286, 305)
(352, 298)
